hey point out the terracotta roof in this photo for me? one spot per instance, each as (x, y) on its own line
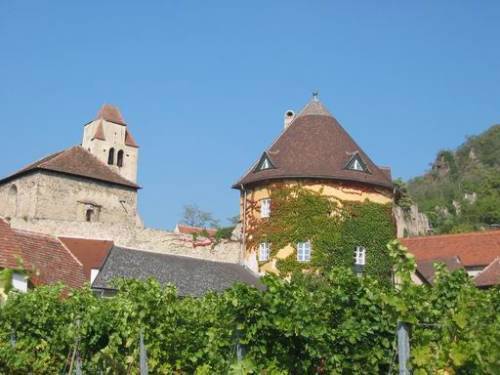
(187, 229)
(474, 249)
(99, 133)
(10, 251)
(111, 113)
(44, 255)
(91, 253)
(78, 162)
(426, 267)
(129, 140)
(315, 145)
(490, 275)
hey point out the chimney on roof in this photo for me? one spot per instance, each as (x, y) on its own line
(289, 117)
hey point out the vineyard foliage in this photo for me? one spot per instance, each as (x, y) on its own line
(334, 323)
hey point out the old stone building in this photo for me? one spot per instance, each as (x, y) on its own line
(313, 151)
(91, 191)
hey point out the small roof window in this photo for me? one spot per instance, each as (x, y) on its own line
(264, 163)
(357, 164)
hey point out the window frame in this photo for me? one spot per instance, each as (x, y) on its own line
(360, 256)
(264, 249)
(304, 251)
(265, 208)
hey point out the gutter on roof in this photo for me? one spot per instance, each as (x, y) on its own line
(263, 180)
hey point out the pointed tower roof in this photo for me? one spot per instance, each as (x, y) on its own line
(111, 113)
(316, 146)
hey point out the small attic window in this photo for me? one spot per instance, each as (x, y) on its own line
(264, 163)
(356, 164)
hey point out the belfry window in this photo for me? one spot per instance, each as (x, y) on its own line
(111, 156)
(119, 158)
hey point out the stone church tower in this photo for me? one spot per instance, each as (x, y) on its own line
(108, 138)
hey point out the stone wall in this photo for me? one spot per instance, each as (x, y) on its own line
(410, 223)
(136, 238)
(53, 196)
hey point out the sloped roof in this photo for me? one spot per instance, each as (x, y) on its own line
(129, 140)
(90, 253)
(474, 249)
(191, 276)
(111, 113)
(99, 133)
(44, 255)
(78, 162)
(426, 267)
(315, 146)
(490, 275)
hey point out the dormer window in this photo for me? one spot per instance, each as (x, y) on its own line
(357, 164)
(264, 163)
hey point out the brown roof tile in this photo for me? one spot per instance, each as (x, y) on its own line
(315, 145)
(99, 133)
(78, 162)
(474, 249)
(426, 267)
(490, 275)
(111, 113)
(129, 140)
(91, 253)
(44, 255)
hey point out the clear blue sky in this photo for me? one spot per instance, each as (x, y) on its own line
(204, 84)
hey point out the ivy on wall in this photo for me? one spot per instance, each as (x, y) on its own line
(335, 228)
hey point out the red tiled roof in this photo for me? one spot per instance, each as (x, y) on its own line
(91, 253)
(10, 251)
(187, 229)
(111, 113)
(315, 146)
(78, 162)
(474, 249)
(45, 256)
(490, 275)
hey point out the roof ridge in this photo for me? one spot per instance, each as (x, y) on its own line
(475, 233)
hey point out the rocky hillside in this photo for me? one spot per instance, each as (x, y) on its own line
(462, 190)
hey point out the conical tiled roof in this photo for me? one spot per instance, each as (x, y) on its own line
(78, 162)
(99, 133)
(316, 146)
(110, 113)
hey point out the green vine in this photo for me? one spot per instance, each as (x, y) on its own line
(334, 228)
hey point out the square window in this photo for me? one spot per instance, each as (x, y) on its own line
(360, 256)
(264, 251)
(265, 207)
(304, 251)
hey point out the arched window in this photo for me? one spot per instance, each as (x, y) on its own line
(119, 158)
(12, 201)
(89, 213)
(111, 156)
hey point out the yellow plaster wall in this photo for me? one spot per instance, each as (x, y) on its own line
(341, 191)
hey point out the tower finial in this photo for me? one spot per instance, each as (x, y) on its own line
(316, 96)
